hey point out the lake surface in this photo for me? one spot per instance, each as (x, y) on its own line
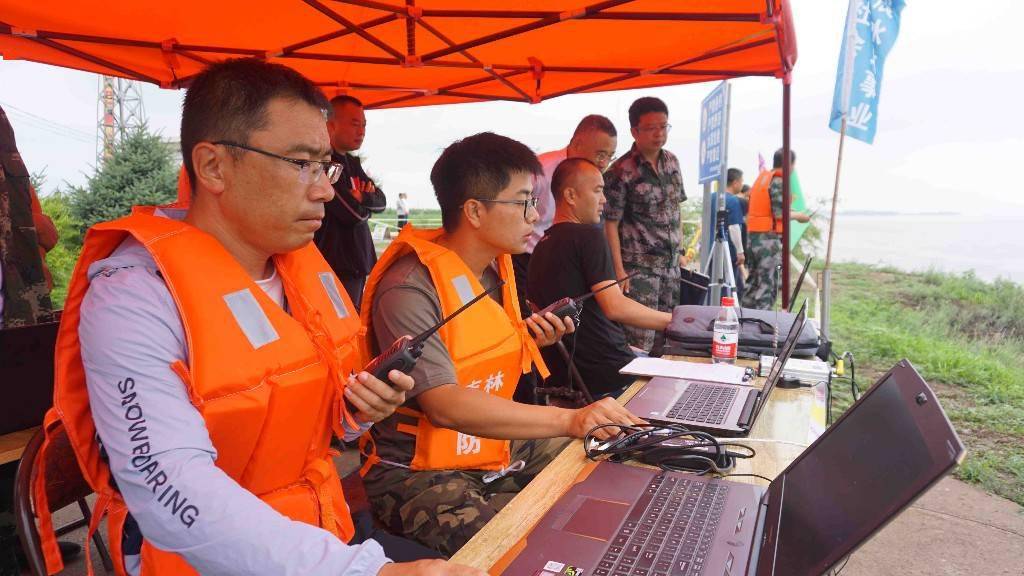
(992, 247)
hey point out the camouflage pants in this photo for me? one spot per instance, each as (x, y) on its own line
(656, 288)
(763, 259)
(444, 509)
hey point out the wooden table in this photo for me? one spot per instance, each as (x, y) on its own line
(13, 445)
(790, 422)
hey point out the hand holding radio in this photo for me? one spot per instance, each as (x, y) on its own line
(373, 398)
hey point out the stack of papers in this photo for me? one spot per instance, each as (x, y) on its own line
(726, 373)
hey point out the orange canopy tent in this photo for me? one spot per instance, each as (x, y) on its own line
(419, 52)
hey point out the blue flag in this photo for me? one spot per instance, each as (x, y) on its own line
(871, 30)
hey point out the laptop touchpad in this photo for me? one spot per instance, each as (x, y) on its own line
(597, 519)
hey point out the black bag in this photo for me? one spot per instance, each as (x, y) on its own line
(692, 328)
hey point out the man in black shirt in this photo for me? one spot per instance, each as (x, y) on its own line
(344, 238)
(572, 259)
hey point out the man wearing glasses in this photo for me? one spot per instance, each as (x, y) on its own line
(204, 358)
(595, 139)
(460, 448)
(344, 239)
(644, 189)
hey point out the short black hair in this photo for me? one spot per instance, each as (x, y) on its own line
(345, 99)
(565, 173)
(732, 175)
(594, 122)
(478, 166)
(777, 158)
(645, 105)
(228, 101)
(746, 188)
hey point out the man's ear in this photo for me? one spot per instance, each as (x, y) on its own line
(570, 196)
(472, 213)
(210, 164)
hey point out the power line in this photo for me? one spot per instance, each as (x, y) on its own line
(42, 122)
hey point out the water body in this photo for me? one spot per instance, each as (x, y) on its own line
(992, 247)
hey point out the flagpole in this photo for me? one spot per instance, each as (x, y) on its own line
(835, 196)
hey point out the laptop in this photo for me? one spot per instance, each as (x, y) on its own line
(715, 407)
(619, 520)
(26, 375)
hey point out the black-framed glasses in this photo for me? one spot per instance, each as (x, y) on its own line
(309, 170)
(526, 204)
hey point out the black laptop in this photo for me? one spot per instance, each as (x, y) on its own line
(619, 520)
(721, 409)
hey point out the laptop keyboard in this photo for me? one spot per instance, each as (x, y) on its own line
(705, 403)
(669, 531)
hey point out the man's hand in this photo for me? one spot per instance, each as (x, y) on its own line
(429, 568)
(360, 188)
(800, 217)
(604, 411)
(683, 260)
(375, 400)
(741, 259)
(549, 329)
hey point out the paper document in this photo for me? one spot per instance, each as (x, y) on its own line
(727, 373)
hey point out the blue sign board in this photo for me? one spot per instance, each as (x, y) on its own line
(714, 129)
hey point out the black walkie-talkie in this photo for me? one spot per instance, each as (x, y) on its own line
(571, 306)
(403, 354)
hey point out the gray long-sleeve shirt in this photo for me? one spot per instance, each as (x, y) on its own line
(130, 333)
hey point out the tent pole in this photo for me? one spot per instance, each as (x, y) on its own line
(786, 198)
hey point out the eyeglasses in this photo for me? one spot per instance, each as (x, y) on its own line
(657, 128)
(526, 204)
(309, 170)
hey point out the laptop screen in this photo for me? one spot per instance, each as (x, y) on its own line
(867, 467)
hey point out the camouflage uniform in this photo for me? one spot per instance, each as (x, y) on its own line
(26, 295)
(764, 256)
(444, 509)
(646, 203)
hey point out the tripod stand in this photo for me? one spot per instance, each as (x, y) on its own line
(719, 269)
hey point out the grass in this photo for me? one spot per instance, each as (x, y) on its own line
(965, 336)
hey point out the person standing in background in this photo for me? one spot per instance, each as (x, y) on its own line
(402, 210)
(344, 238)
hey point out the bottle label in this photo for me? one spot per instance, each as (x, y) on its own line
(724, 345)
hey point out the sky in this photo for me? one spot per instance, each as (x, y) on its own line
(950, 129)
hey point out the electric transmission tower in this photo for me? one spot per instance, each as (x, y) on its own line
(119, 110)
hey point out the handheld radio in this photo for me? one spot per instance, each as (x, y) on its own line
(403, 354)
(571, 306)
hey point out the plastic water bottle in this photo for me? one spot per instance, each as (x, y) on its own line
(727, 333)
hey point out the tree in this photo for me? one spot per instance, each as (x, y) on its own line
(140, 172)
(61, 259)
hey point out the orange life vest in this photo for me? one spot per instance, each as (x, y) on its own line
(489, 344)
(759, 215)
(278, 450)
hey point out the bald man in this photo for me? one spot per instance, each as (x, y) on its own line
(573, 258)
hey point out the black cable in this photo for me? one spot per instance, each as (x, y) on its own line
(754, 475)
(843, 566)
(650, 444)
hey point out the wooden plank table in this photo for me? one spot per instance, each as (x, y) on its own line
(13, 445)
(790, 422)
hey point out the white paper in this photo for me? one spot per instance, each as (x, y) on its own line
(727, 373)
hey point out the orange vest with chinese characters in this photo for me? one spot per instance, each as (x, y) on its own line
(489, 344)
(243, 351)
(759, 213)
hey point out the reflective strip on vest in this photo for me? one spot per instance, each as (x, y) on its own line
(327, 279)
(463, 288)
(251, 318)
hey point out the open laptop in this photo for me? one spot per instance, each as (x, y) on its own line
(619, 520)
(718, 408)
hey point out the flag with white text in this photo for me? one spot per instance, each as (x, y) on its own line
(871, 30)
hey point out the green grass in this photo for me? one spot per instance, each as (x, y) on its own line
(965, 336)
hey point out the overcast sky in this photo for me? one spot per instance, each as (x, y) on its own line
(950, 135)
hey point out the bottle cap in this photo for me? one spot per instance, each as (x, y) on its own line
(728, 301)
